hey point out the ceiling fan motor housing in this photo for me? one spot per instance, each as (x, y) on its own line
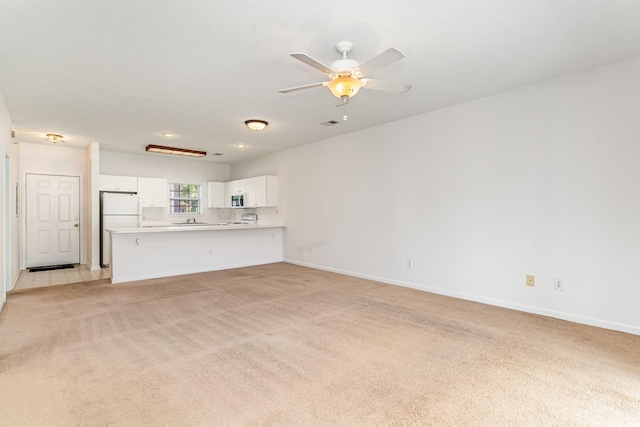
(344, 67)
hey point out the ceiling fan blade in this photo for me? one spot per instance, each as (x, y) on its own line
(310, 61)
(385, 86)
(293, 89)
(387, 57)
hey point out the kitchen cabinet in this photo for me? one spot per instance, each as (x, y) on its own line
(153, 192)
(234, 188)
(118, 183)
(262, 191)
(215, 194)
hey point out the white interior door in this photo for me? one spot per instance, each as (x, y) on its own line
(53, 220)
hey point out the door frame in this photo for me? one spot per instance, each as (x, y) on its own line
(23, 216)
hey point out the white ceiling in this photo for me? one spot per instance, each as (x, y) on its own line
(121, 72)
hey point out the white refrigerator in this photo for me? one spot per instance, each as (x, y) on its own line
(118, 210)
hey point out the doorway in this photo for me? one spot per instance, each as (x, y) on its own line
(52, 220)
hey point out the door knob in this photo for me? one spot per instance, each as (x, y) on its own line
(75, 225)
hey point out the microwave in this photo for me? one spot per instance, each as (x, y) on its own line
(237, 200)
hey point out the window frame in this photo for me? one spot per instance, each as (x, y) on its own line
(198, 199)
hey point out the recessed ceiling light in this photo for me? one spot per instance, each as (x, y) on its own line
(174, 150)
(167, 134)
(255, 124)
(216, 154)
(241, 145)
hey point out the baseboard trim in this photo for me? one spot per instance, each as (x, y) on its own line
(92, 267)
(584, 320)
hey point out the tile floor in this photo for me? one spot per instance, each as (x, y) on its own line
(80, 273)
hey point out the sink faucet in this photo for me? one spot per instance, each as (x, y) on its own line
(191, 219)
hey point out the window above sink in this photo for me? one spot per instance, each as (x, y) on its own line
(185, 199)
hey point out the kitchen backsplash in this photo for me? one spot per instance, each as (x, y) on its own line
(160, 216)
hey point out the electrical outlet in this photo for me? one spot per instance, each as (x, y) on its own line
(531, 280)
(558, 284)
(409, 263)
(210, 252)
(310, 250)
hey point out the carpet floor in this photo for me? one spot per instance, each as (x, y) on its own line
(282, 345)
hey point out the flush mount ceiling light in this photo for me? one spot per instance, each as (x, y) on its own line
(256, 125)
(54, 137)
(174, 150)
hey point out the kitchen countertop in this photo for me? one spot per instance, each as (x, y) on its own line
(190, 227)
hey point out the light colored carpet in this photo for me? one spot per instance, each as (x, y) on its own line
(286, 345)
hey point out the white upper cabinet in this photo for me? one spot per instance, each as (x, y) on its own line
(215, 194)
(118, 183)
(262, 191)
(153, 192)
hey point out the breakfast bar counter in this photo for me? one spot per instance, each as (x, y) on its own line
(151, 252)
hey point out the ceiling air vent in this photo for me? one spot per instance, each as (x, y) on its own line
(330, 123)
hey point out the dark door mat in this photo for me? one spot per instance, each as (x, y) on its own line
(50, 267)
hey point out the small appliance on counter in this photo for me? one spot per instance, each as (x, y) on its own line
(249, 218)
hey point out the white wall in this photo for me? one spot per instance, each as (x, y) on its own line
(92, 207)
(175, 169)
(5, 242)
(9, 222)
(542, 180)
(15, 216)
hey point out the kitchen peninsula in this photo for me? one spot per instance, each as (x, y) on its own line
(147, 253)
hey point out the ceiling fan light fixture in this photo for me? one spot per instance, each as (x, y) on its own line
(175, 150)
(344, 86)
(256, 125)
(54, 137)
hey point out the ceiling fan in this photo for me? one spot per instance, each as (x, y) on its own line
(346, 76)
